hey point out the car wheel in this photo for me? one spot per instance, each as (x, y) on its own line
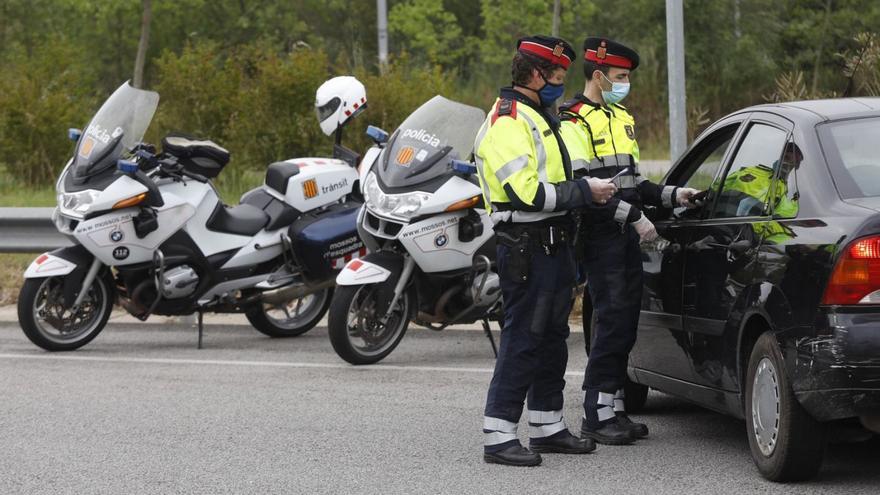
(636, 394)
(787, 444)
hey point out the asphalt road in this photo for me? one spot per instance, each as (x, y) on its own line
(140, 410)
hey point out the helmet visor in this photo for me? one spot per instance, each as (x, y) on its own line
(326, 110)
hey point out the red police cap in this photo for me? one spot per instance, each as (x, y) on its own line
(604, 51)
(554, 50)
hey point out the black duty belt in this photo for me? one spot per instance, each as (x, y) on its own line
(547, 235)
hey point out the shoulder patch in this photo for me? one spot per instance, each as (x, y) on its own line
(505, 108)
(746, 178)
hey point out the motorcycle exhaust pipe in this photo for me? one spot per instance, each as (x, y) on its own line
(294, 291)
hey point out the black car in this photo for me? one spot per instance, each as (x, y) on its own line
(764, 303)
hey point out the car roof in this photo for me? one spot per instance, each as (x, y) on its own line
(822, 110)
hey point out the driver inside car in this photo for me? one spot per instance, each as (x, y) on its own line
(754, 183)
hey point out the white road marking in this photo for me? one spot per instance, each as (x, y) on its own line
(276, 364)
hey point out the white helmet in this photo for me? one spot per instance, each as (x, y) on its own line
(338, 100)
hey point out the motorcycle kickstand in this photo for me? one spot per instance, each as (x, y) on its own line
(488, 332)
(199, 346)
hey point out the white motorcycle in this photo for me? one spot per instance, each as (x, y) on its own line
(150, 231)
(431, 244)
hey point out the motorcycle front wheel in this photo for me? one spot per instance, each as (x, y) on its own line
(50, 324)
(356, 331)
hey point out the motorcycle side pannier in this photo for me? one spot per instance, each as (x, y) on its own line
(327, 239)
(197, 155)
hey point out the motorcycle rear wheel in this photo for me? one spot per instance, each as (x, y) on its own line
(295, 318)
(355, 331)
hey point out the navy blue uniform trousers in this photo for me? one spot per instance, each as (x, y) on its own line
(533, 353)
(614, 279)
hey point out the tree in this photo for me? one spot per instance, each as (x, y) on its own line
(429, 33)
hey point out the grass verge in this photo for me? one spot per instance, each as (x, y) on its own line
(12, 267)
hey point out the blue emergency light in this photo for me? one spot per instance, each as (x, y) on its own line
(464, 167)
(376, 134)
(126, 166)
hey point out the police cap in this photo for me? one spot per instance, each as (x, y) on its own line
(603, 51)
(554, 50)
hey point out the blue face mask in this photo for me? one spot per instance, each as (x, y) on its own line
(550, 92)
(618, 92)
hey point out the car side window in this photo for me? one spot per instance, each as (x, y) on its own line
(746, 187)
(702, 177)
(705, 164)
(784, 195)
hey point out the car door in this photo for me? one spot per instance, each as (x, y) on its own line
(721, 251)
(661, 347)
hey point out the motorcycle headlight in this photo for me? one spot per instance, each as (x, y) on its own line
(404, 206)
(76, 204)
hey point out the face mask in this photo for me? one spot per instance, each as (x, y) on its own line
(550, 92)
(618, 92)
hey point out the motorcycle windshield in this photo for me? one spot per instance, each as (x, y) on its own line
(425, 144)
(118, 125)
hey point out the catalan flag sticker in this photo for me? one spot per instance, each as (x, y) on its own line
(405, 156)
(310, 188)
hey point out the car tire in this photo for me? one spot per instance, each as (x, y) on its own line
(787, 444)
(636, 394)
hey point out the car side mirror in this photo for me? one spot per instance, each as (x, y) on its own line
(73, 134)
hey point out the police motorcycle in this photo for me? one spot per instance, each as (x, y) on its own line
(149, 229)
(430, 241)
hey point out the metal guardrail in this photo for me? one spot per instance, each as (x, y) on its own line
(29, 230)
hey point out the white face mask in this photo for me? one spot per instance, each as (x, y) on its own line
(618, 92)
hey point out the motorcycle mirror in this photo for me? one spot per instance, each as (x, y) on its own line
(73, 134)
(376, 134)
(126, 166)
(464, 167)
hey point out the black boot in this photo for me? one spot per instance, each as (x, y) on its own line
(563, 442)
(515, 455)
(609, 433)
(638, 430)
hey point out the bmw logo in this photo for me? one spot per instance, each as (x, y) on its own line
(441, 240)
(116, 236)
(120, 253)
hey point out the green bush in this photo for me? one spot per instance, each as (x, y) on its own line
(41, 96)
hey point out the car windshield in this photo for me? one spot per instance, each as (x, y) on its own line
(851, 149)
(118, 125)
(424, 145)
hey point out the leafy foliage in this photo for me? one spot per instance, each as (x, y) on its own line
(243, 72)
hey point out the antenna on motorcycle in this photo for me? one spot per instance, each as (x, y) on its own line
(378, 135)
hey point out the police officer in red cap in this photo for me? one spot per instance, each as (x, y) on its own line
(600, 135)
(525, 175)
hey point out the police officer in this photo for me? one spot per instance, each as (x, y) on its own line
(600, 135)
(525, 175)
(756, 181)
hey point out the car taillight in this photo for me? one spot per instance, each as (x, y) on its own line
(856, 277)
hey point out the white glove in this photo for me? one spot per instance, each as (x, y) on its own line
(683, 197)
(601, 189)
(647, 231)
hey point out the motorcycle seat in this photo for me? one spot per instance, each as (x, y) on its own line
(278, 175)
(243, 219)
